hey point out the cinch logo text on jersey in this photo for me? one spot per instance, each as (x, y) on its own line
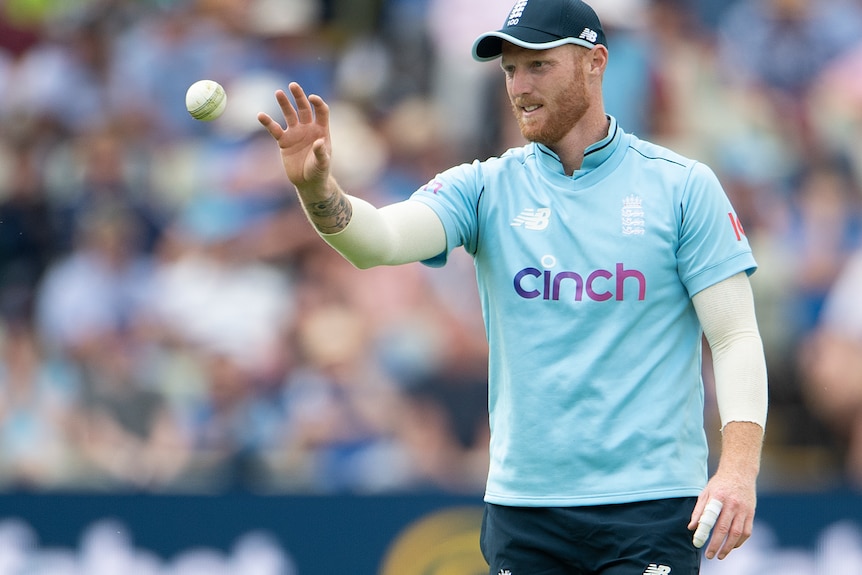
(598, 285)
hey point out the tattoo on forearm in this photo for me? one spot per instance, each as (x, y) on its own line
(331, 215)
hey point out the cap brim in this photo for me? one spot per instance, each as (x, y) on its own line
(489, 45)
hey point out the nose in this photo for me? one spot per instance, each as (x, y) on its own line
(519, 83)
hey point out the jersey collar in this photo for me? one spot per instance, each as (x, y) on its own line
(594, 155)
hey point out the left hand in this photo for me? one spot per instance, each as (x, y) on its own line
(738, 494)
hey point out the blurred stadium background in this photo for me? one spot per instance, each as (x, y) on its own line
(190, 380)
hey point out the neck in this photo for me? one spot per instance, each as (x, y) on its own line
(592, 128)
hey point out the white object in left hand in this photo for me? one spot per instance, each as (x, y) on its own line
(707, 521)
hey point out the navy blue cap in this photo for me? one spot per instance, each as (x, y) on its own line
(543, 24)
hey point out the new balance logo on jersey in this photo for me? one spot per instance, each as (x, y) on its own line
(654, 569)
(533, 219)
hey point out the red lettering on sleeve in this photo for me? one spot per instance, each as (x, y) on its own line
(433, 187)
(737, 226)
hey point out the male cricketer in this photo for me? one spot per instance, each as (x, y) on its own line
(601, 260)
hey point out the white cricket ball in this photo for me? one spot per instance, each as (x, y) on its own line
(206, 100)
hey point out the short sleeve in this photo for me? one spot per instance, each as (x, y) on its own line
(712, 241)
(454, 196)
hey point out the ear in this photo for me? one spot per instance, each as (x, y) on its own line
(598, 59)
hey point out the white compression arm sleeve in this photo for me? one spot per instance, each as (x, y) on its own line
(726, 312)
(399, 233)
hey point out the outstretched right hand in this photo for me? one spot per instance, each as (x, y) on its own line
(305, 143)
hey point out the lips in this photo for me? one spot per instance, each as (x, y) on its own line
(529, 110)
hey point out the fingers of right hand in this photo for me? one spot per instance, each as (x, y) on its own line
(274, 128)
(287, 108)
(321, 109)
(303, 106)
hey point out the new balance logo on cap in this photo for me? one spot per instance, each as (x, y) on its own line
(654, 569)
(589, 35)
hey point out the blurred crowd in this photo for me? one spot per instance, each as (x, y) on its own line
(169, 322)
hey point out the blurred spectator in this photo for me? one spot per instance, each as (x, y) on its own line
(408, 43)
(446, 422)
(783, 44)
(231, 428)
(778, 47)
(823, 229)
(93, 294)
(832, 365)
(383, 393)
(210, 293)
(465, 92)
(128, 435)
(698, 112)
(630, 86)
(341, 409)
(38, 408)
(102, 169)
(412, 134)
(28, 232)
(73, 56)
(835, 106)
(804, 242)
(295, 44)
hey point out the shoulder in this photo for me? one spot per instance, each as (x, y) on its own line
(510, 159)
(669, 163)
(509, 162)
(651, 151)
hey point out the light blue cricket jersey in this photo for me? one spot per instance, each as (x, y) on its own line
(595, 390)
